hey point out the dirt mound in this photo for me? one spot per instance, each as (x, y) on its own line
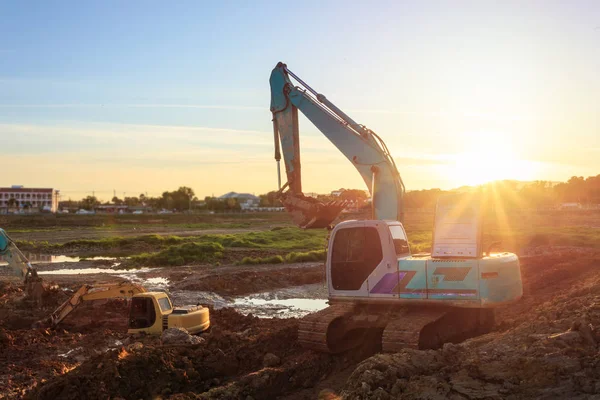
(230, 363)
(547, 347)
(29, 357)
(248, 281)
(157, 370)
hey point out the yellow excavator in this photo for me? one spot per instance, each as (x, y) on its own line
(149, 312)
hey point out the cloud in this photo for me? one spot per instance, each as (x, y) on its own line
(108, 105)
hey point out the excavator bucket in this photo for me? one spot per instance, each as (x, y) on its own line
(35, 288)
(309, 213)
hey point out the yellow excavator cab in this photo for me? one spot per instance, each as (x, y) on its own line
(153, 312)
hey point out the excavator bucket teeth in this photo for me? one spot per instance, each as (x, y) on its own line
(309, 213)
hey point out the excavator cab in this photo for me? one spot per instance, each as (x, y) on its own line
(142, 314)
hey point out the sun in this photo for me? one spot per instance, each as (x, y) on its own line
(492, 161)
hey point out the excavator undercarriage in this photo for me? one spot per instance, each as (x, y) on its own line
(345, 325)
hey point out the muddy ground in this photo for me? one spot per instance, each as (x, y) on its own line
(546, 346)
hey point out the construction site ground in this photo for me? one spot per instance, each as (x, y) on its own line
(545, 346)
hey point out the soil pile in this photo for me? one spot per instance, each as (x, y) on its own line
(29, 356)
(247, 280)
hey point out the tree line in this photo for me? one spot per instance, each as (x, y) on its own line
(508, 194)
(516, 195)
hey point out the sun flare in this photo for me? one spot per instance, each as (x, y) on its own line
(486, 162)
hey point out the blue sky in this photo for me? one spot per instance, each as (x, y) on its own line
(145, 96)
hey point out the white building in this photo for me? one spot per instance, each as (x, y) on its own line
(19, 198)
(245, 200)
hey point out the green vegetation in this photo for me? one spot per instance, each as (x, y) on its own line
(280, 238)
(186, 253)
(115, 242)
(283, 238)
(262, 260)
(294, 257)
(315, 255)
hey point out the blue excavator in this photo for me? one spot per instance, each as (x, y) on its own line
(19, 266)
(377, 287)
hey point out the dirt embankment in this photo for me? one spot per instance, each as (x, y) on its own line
(243, 280)
(242, 357)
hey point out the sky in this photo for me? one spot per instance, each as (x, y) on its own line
(145, 96)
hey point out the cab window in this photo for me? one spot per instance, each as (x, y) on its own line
(400, 240)
(356, 253)
(141, 314)
(165, 304)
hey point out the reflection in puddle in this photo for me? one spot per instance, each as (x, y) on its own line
(46, 258)
(296, 302)
(157, 281)
(282, 308)
(85, 271)
(148, 283)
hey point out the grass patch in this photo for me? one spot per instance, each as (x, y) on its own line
(186, 253)
(283, 239)
(315, 255)
(262, 260)
(279, 238)
(293, 257)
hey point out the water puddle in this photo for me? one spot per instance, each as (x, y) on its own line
(50, 259)
(290, 302)
(281, 308)
(86, 271)
(150, 284)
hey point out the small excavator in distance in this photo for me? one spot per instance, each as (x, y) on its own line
(150, 312)
(377, 288)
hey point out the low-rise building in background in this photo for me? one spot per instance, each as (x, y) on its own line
(18, 198)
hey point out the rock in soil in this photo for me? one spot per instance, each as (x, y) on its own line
(179, 335)
(271, 360)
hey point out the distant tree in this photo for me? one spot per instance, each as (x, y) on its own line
(117, 201)
(269, 200)
(131, 201)
(180, 199)
(12, 202)
(232, 204)
(89, 203)
(356, 196)
(422, 198)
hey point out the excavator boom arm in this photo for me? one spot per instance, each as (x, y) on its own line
(361, 146)
(95, 292)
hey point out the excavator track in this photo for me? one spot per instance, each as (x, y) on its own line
(404, 329)
(343, 326)
(430, 329)
(314, 328)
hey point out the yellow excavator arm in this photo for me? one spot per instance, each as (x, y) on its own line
(93, 292)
